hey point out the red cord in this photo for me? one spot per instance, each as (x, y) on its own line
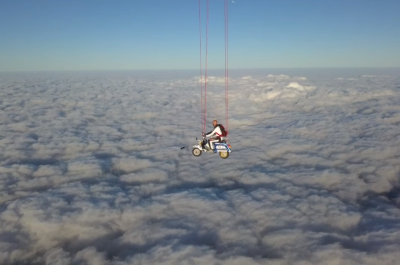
(205, 81)
(201, 72)
(203, 104)
(226, 67)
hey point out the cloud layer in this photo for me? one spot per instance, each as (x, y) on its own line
(92, 170)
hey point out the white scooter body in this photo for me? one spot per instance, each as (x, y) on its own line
(222, 148)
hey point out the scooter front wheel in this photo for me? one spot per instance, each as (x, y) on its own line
(196, 152)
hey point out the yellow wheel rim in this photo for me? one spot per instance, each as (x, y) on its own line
(223, 154)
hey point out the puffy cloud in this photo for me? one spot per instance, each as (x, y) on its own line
(92, 170)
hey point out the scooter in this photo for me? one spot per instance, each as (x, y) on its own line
(222, 148)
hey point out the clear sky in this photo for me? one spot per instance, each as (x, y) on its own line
(161, 34)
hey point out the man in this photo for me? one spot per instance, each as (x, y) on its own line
(218, 134)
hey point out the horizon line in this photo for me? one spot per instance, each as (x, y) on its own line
(193, 69)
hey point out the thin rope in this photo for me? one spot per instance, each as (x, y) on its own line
(201, 72)
(205, 81)
(203, 100)
(226, 67)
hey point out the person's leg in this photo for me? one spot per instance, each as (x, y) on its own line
(208, 142)
(212, 141)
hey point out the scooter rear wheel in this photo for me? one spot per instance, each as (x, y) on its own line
(224, 155)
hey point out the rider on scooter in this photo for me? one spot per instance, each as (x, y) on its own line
(218, 134)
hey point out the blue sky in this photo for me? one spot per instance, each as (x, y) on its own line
(155, 34)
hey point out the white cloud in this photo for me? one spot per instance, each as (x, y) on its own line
(145, 176)
(92, 170)
(130, 164)
(299, 87)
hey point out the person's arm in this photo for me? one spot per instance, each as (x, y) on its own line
(216, 131)
(209, 134)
